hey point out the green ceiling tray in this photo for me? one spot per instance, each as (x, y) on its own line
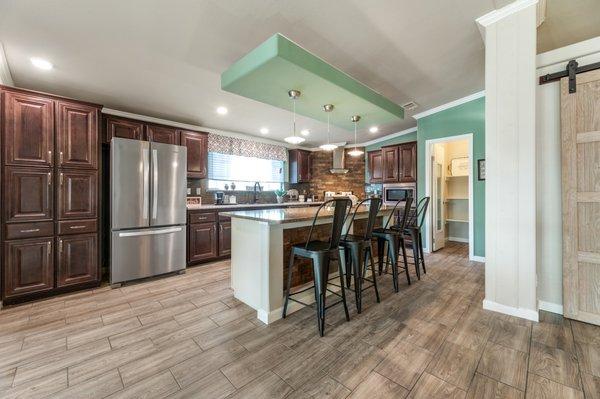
(268, 72)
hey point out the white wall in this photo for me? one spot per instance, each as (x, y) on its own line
(548, 149)
(510, 197)
(5, 76)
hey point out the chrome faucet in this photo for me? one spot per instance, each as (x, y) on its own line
(257, 189)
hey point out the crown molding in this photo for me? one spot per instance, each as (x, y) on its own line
(496, 15)
(449, 105)
(5, 75)
(384, 138)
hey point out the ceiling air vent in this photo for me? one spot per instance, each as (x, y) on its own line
(409, 106)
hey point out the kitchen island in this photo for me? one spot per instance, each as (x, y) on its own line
(261, 242)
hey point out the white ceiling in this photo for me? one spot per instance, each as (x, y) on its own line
(164, 58)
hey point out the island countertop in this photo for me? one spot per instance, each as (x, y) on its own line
(292, 215)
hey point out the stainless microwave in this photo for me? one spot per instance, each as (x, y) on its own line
(393, 193)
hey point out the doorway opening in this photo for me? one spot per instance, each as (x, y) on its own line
(450, 186)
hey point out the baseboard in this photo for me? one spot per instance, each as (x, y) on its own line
(458, 239)
(550, 307)
(477, 258)
(512, 311)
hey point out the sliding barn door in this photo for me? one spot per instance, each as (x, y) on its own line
(580, 126)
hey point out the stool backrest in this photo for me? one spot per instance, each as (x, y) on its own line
(402, 222)
(374, 206)
(417, 216)
(341, 210)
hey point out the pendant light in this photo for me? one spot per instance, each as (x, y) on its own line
(355, 152)
(328, 147)
(293, 139)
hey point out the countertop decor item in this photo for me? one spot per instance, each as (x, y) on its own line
(355, 152)
(328, 147)
(294, 139)
(279, 193)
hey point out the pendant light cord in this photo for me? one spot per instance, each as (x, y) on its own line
(328, 132)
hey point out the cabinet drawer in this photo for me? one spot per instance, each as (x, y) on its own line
(29, 230)
(202, 217)
(77, 226)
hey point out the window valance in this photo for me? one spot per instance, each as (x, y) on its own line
(247, 148)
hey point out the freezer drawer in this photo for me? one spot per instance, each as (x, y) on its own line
(147, 252)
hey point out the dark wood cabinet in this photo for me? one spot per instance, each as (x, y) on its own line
(77, 135)
(197, 152)
(77, 259)
(124, 128)
(390, 164)
(28, 194)
(28, 129)
(77, 194)
(407, 162)
(202, 241)
(162, 134)
(300, 166)
(28, 266)
(375, 166)
(224, 238)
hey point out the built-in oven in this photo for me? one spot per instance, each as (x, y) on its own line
(395, 192)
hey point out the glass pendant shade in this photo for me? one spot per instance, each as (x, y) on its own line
(328, 147)
(355, 152)
(293, 139)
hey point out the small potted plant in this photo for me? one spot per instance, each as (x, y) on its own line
(280, 192)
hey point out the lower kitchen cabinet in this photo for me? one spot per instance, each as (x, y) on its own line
(224, 238)
(28, 266)
(202, 242)
(77, 259)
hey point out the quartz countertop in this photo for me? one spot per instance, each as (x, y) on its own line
(213, 207)
(291, 215)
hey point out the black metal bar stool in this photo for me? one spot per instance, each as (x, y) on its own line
(394, 240)
(413, 229)
(321, 253)
(361, 254)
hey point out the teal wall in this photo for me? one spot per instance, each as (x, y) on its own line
(462, 119)
(405, 138)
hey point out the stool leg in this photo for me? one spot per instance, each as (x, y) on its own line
(348, 262)
(414, 237)
(356, 269)
(380, 249)
(317, 264)
(373, 272)
(422, 254)
(343, 256)
(392, 254)
(403, 246)
(289, 284)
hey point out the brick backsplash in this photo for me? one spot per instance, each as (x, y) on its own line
(323, 180)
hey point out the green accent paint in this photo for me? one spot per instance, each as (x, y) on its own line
(462, 119)
(405, 138)
(268, 72)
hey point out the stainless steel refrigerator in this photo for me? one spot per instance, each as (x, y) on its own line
(148, 209)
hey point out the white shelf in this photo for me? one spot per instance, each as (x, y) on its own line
(457, 220)
(456, 198)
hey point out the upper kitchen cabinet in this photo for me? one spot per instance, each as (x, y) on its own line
(390, 164)
(162, 134)
(375, 166)
(197, 152)
(77, 135)
(77, 194)
(27, 194)
(28, 129)
(407, 162)
(300, 164)
(124, 128)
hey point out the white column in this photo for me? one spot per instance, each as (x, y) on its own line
(510, 204)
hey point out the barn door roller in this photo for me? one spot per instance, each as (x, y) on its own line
(571, 71)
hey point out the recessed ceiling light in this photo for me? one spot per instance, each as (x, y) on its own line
(373, 129)
(222, 110)
(41, 63)
(264, 130)
(305, 132)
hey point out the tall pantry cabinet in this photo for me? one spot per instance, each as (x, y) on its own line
(50, 194)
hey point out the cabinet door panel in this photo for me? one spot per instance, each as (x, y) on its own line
(28, 266)
(162, 134)
(197, 152)
(224, 238)
(202, 242)
(28, 194)
(28, 129)
(77, 194)
(390, 164)
(77, 135)
(408, 163)
(77, 259)
(124, 128)
(375, 166)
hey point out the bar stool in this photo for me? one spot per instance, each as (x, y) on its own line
(321, 253)
(413, 229)
(394, 240)
(361, 254)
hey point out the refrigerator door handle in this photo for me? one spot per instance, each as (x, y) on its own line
(154, 184)
(146, 172)
(149, 232)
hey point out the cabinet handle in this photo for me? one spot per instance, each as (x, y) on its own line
(61, 157)
(61, 179)
(30, 230)
(49, 178)
(77, 227)
(60, 246)
(50, 156)
(201, 218)
(49, 246)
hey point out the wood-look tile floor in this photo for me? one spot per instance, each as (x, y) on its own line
(186, 336)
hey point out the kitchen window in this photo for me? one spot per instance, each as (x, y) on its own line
(243, 172)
